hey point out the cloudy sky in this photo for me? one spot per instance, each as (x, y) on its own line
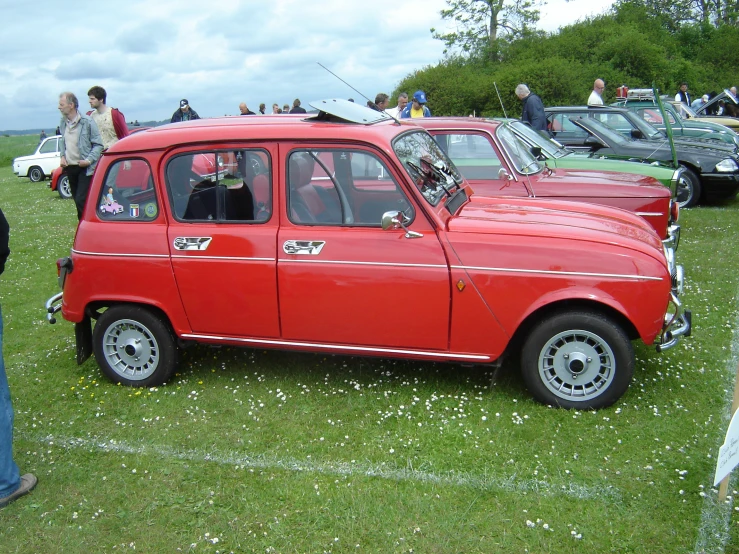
(149, 55)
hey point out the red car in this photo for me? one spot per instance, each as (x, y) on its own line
(496, 163)
(349, 233)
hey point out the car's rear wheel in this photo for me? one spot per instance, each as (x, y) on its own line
(133, 346)
(580, 360)
(688, 189)
(36, 174)
(62, 187)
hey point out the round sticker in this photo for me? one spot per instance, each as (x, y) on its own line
(150, 209)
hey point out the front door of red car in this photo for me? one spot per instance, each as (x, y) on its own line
(222, 237)
(342, 278)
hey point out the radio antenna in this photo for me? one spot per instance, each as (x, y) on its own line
(500, 99)
(355, 90)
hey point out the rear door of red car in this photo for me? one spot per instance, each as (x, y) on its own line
(222, 237)
(342, 278)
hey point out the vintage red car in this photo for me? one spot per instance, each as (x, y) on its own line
(497, 163)
(332, 225)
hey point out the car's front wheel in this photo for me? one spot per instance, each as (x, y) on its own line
(581, 360)
(688, 189)
(134, 346)
(62, 187)
(36, 174)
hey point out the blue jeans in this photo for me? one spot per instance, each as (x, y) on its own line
(10, 478)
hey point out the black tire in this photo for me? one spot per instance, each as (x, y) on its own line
(62, 187)
(135, 347)
(572, 345)
(688, 189)
(36, 174)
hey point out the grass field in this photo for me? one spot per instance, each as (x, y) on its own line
(262, 451)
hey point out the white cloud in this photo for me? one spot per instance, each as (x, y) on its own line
(215, 53)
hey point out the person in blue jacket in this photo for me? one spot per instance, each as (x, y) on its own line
(417, 107)
(533, 108)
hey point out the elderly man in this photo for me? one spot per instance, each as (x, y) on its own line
(80, 148)
(402, 103)
(244, 109)
(533, 108)
(596, 97)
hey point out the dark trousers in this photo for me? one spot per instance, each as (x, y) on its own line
(79, 185)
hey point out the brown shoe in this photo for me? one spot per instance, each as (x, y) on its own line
(28, 482)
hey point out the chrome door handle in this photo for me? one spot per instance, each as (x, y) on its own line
(303, 247)
(192, 243)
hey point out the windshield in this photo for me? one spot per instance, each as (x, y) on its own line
(647, 130)
(686, 112)
(523, 160)
(431, 170)
(605, 132)
(550, 148)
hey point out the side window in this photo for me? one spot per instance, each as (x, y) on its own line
(49, 147)
(473, 155)
(561, 126)
(227, 186)
(615, 121)
(128, 193)
(651, 115)
(341, 187)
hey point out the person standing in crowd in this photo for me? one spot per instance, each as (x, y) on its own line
(285, 108)
(381, 102)
(417, 107)
(80, 148)
(245, 110)
(296, 107)
(533, 108)
(683, 95)
(42, 136)
(596, 97)
(402, 103)
(13, 485)
(110, 122)
(698, 102)
(262, 108)
(58, 131)
(184, 112)
(275, 108)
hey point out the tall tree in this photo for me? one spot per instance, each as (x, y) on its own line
(482, 24)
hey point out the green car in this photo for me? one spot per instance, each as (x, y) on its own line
(558, 156)
(642, 102)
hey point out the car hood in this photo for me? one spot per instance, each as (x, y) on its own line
(557, 219)
(606, 184)
(684, 149)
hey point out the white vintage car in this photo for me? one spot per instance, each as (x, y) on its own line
(41, 163)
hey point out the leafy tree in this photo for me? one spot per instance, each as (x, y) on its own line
(482, 25)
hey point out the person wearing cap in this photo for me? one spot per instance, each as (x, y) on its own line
(417, 107)
(698, 102)
(683, 95)
(184, 113)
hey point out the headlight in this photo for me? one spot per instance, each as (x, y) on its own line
(726, 166)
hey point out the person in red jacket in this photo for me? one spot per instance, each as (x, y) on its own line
(110, 121)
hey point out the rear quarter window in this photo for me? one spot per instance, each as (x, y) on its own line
(128, 192)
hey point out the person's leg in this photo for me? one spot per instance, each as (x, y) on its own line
(10, 478)
(73, 173)
(80, 197)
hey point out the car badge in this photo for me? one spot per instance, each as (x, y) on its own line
(133, 210)
(460, 285)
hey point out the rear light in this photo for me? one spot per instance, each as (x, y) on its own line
(674, 211)
(63, 268)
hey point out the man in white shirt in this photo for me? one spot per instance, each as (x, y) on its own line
(596, 98)
(683, 95)
(402, 103)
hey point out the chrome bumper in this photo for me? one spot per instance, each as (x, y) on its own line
(677, 321)
(673, 237)
(53, 305)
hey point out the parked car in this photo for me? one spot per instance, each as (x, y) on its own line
(41, 163)
(643, 103)
(710, 174)
(358, 236)
(728, 115)
(496, 162)
(687, 113)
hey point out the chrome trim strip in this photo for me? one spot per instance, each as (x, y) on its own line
(115, 254)
(339, 347)
(196, 257)
(340, 262)
(653, 214)
(549, 272)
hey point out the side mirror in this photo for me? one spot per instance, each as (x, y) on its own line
(637, 134)
(593, 143)
(503, 174)
(397, 220)
(536, 151)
